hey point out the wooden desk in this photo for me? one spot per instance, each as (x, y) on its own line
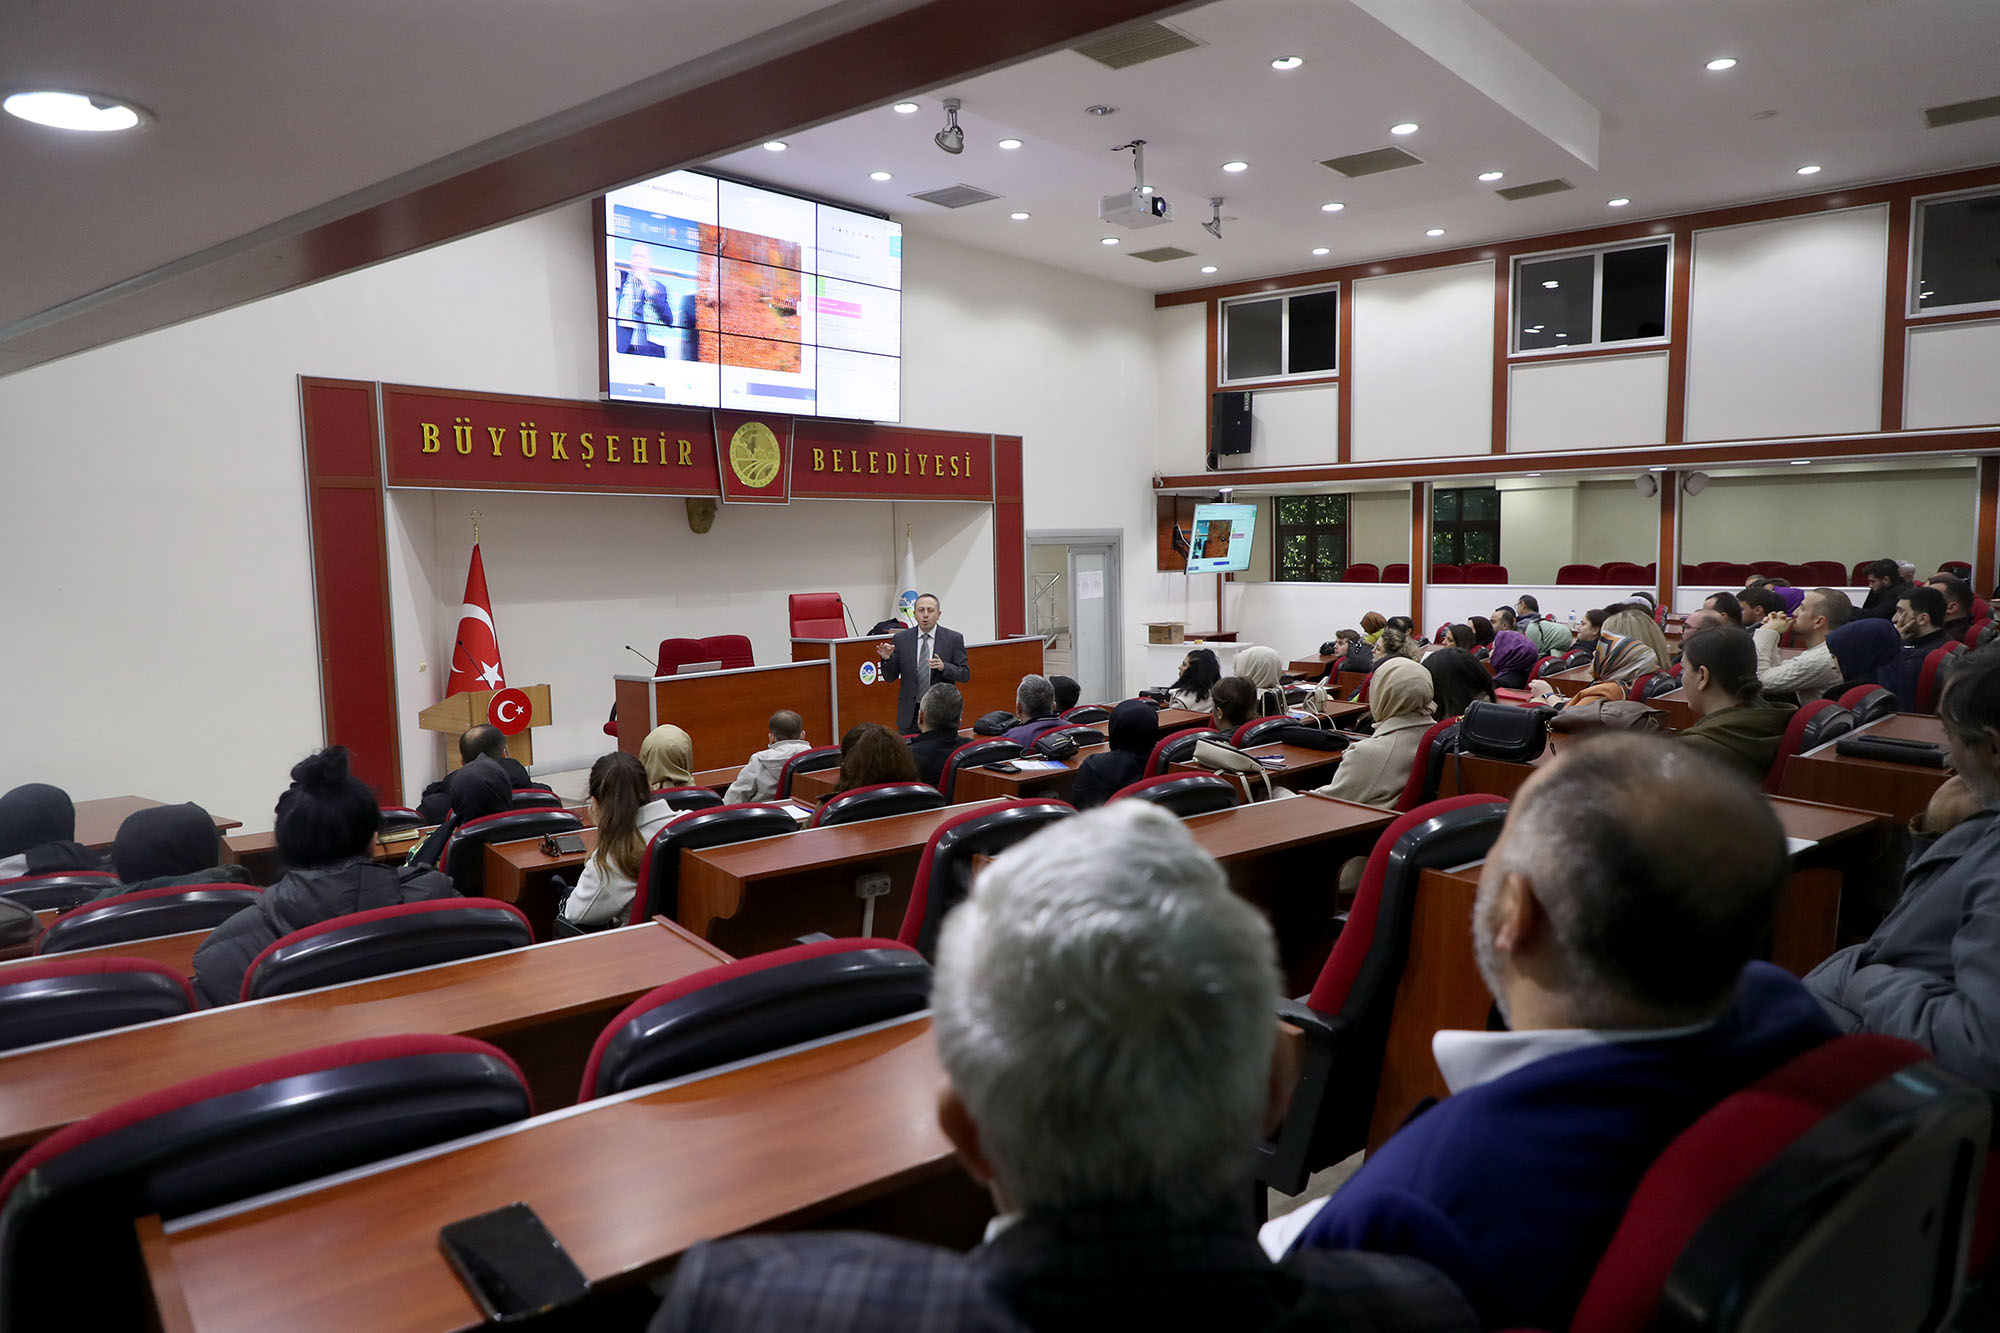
(521, 873)
(1307, 666)
(749, 897)
(626, 1186)
(97, 821)
(1570, 682)
(1680, 714)
(997, 668)
(1304, 768)
(1175, 719)
(543, 1005)
(718, 780)
(985, 784)
(726, 714)
(258, 853)
(1900, 791)
(172, 951)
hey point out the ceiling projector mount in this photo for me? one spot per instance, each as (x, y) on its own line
(1139, 206)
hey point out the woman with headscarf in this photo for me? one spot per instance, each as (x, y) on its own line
(1134, 730)
(1373, 771)
(1371, 626)
(1628, 647)
(167, 846)
(668, 754)
(1457, 678)
(1513, 656)
(1263, 668)
(1199, 672)
(1872, 652)
(38, 833)
(477, 789)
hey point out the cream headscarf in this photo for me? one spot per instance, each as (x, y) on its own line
(1399, 687)
(1262, 667)
(668, 754)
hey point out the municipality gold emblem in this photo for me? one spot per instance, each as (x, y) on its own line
(753, 455)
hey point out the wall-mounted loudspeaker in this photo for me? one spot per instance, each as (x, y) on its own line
(1695, 483)
(1646, 484)
(1229, 424)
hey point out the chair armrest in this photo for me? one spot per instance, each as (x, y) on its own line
(816, 937)
(1283, 1161)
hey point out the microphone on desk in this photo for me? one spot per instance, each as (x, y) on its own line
(852, 632)
(641, 656)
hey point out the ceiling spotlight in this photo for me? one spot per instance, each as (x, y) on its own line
(1214, 224)
(1407, 127)
(879, 176)
(1288, 62)
(1010, 144)
(951, 138)
(1321, 250)
(1100, 110)
(905, 108)
(1208, 268)
(775, 145)
(1020, 217)
(1619, 202)
(1107, 240)
(1435, 231)
(1236, 166)
(1490, 176)
(74, 111)
(1809, 170)
(1331, 208)
(1552, 283)
(1721, 63)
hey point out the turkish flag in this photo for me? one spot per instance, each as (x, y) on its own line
(475, 656)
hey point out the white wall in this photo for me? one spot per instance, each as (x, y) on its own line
(1952, 378)
(1379, 527)
(1537, 526)
(1615, 522)
(1296, 618)
(1293, 426)
(1595, 402)
(1922, 515)
(1180, 357)
(1423, 363)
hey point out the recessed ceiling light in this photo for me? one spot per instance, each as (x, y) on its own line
(1721, 63)
(1562, 335)
(1321, 250)
(1288, 62)
(775, 145)
(1108, 240)
(1552, 283)
(906, 108)
(1101, 110)
(1010, 144)
(1020, 217)
(1236, 166)
(879, 176)
(1407, 127)
(74, 111)
(1619, 202)
(1491, 175)
(1208, 268)
(1809, 170)
(1331, 208)
(1435, 231)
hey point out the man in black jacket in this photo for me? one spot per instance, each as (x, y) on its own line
(481, 741)
(1886, 587)
(938, 715)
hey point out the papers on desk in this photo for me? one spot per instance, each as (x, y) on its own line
(1026, 765)
(798, 810)
(1793, 846)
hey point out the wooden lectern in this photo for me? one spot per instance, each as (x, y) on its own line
(457, 712)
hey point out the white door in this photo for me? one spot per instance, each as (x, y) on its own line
(1092, 624)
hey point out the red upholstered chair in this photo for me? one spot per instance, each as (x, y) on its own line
(1624, 571)
(1771, 569)
(1578, 575)
(464, 854)
(1729, 573)
(1485, 573)
(944, 875)
(1652, 570)
(1362, 573)
(60, 889)
(1961, 568)
(659, 891)
(1860, 574)
(688, 798)
(1835, 1194)
(68, 1205)
(1178, 747)
(1868, 703)
(1973, 631)
(817, 615)
(1931, 677)
(1823, 573)
(1346, 1018)
(673, 654)
(985, 750)
(396, 818)
(732, 650)
(67, 997)
(877, 802)
(1553, 662)
(1183, 793)
(1260, 731)
(806, 761)
(147, 914)
(1447, 574)
(758, 1004)
(1397, 573)
(1816, 723)
(382, 940)
(534, 798)
(1427, 770)
(1087, 713)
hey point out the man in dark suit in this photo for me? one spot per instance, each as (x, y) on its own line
(921, 656)
(942, 709)
(1102, 1009)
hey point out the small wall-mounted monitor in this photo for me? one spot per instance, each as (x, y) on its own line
(1220, 543)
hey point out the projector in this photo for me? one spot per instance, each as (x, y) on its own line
(1134, 208)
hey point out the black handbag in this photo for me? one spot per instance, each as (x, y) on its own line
(996, 723)
(1502, 731)
(1308, 737)
(1056, 746)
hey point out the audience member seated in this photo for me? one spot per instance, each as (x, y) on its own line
(1374, 771)
(1263, 668)
(1503, 619)
(939, 712)
(1696, 621)
(169, 845)
(1234, 702)
(1920, 619)
(1482, 633)
(474, 791)
(1034, 711)
(1958, 600)
(1396, 643)
(1872, 652)
(1629, 646)
(325, 829)
(38, 833)
(1886, 587)
(1371, 626)
(1102, 1010)
(1615, 924)
(1512, 657)
(668, 754)
(1758, 604)
(1457, 678)
(1354, 653)
(758, 781)
(627, 817)
(1134, 730)
(1931, 970)
(871, 754)
(1068, 691)
(1737, 727)
(1812, 671)
(1199, 672)
(1550, 636)
(1950, 805)
(1726, 604)
(474, 742)
(1590, 628)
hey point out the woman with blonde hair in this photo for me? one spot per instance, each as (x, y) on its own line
(1374, 771)
(668, 756)
(627, 817)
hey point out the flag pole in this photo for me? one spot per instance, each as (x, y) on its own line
(475, 515)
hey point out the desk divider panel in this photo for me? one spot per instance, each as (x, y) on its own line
(726, 713)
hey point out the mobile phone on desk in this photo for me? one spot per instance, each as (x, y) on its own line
(562, 844)
(511, 1264)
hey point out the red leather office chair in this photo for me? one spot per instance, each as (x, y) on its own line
(1868, 703)
(60, 889)
(396, 818)
(688, 798)
(762, 1003)
(1962, 568)
(1447, 574)
(1183, 794)
(68, 1205)
(1575, 575)
(944, 875)
(464, 854)
(67, 997)
(382, 940)
(813, 760)
(1625, 571)
(817, 615)
(1973, 631)
(1178, 747)
(732, 650)
(1397, 573)
(1546, 665)
(1482, 572)
(1859, 574)
(1931, 677)
(1260, 731)
(1087, 713)
(1835, 1194)
(534, 798)
(986, 750)
(1427, 770)
(147, 914)
(1346, 1018)
(1362, 572)
(1816, 723)
(877, 802)
(659, 891)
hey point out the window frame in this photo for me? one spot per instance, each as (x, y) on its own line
(1279, 530)
(1596, 345)
(1458, 527)
(1913, 274)
(1284, 336)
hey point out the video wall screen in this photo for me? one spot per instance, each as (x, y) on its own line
(726, 295)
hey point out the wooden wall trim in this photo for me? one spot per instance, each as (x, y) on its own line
(1420, 552)
(1895, 318)
(1667, 570)
(1985, 560)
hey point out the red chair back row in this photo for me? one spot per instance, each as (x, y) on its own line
(816, 615)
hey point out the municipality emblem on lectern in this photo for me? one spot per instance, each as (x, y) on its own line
(754, 455)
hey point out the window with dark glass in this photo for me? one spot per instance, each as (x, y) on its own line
(1278, 337)
(1465, 526)
(1311, 538)
(1958, 253)
(1603, 296)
